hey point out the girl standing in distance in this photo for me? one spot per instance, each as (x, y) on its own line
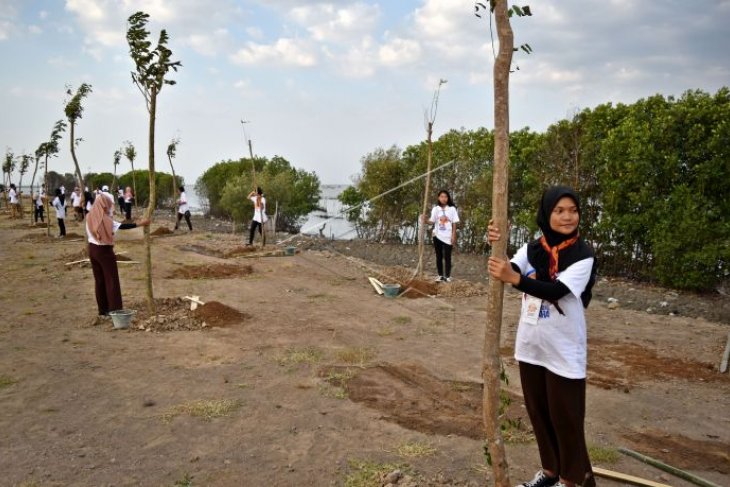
(38, 202)
(259, 213)
(556, 274)
(100, 230)
(59, 204)
(128, 200)
(444, 218)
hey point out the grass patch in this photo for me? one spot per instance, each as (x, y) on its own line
(297, 356)
(402, 320)
(6, 381)
(385, 331)
(186, 481)
(206, 409)
(355, 356)
(603, 454)
(369, 474)
(415, 449)
(333, 392)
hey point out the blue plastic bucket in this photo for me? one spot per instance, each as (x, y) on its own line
(391, 290)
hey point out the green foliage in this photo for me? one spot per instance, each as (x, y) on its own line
(50, 148)
(74, 108)
(163, 181)
(652, 175)
(172, 147)
(226, 185)
(151, 66)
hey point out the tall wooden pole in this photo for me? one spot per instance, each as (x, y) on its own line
(426, 191)
(491, 360)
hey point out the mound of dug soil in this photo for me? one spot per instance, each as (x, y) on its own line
(412, 397)
(211, 271)
(218, 314)
(679, 451)
(174, 314)
(202, 250)
(161, 231)
(240, 250)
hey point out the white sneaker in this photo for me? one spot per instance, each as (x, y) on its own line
(542, 480)
(438, 279)
(448, 279)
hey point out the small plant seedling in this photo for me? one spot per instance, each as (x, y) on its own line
(297, 356)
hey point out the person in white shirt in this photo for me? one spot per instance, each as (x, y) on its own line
(259, 214)
(120, 199)
(100, 230)
(14, 202)
(38, 203)
(59, 204)
(76, 204)
(183, 209)
(444, 218)
(128, 202)
(556, 274)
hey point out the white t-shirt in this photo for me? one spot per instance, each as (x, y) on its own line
(443, 220)
(39, 198)
(75, 199)
(13, 196)
(91, 239)
(183, 204)
(59, 207)
(259, 212)
(557, 342)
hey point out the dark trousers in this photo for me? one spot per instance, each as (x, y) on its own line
(120, 202)
(187, 219)
(443, 256)
(128, 210)
(61, 227)
(38, 214)
(106, 278)
(556, 407)
(252, 230)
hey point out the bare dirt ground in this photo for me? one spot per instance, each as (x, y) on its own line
(309, 377)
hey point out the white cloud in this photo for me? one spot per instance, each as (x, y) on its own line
(333, 22)
(399, 52)
(35, 29)
(43, 14)
(285, 51)
(209, 44)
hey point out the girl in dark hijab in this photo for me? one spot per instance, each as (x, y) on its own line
(556, 273)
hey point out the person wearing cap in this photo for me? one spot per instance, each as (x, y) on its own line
(183, 210)
(100, 230)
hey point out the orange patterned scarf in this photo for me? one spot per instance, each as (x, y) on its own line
(554, 252)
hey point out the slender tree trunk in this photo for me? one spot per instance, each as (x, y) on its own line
(491, 360)
(152, 201)
(46, 202)
(32, 182)
(20, 196)
(426, 191)
(79, 177)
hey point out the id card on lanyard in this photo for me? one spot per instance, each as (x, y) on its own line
(531, 311)
(443, 220)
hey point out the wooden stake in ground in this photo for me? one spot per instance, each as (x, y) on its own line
(430, 119)
(491, 360)
(149, 77)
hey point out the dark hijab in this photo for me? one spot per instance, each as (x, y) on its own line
(580, 250)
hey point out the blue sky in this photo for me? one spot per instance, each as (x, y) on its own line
(326, 82)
